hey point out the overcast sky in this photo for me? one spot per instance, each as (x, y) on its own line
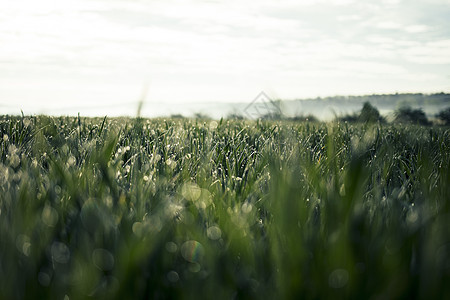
(65, 55)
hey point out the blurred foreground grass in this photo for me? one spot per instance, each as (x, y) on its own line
(157, 209)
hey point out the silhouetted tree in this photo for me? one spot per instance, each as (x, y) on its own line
(411, 116)
(444, 116)
(176, 116)
(350, 118)
(235, 116)
(275, 115)
(307, 118)
(369, 114)
(202, 116)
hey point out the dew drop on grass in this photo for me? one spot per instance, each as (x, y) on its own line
(191, 191)
(23, 244)
(71, 161)
(171, 163)
(14, 160)
(44, 279)
(194, 267)
(57, 189)
(172, 276)
(214, 233)
(49, 216)
(412, 216)
(137, 228)
(246, 207)
(109, 201)
(171, 247)
(213, 125)
(192, 251)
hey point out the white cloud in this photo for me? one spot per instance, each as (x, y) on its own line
(389, 25)
(391, 2)
(432, 53)
(418, 28)
(347, 18)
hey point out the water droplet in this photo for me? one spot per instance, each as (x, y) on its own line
(57, 189)
(44, 279)
(412, 217)
(214, 233)
(191, 191)
(172, 276)
(137, 228)
(171, 247)
(23, 244)
(246, 207)
(192, 251)
(71, 161)
(14, 160)
(213, 125)
(49, 216)
(195, 267)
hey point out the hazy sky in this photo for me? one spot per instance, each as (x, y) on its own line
(60, 56)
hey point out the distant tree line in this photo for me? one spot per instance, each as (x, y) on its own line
(444, 116)
(403, 115)
(368, 114)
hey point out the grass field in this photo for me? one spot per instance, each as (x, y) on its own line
(162, 209)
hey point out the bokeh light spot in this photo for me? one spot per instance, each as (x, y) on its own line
(192, 251)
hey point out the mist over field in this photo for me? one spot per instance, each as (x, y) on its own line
(324, 109)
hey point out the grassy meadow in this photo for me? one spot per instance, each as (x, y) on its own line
(178, 208)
